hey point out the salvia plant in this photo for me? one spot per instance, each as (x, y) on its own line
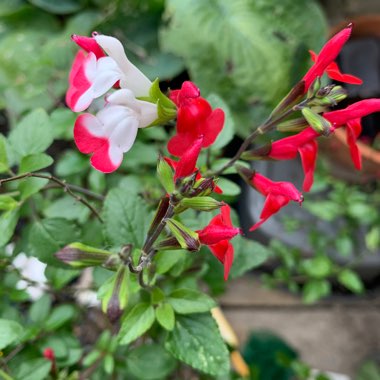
(145, 254)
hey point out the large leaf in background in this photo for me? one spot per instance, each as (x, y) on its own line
(126, 218)
(196, 341)
(248, 51)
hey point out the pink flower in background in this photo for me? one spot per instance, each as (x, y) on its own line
(327, 56)
(113, 130)
(304, 144)
(217, 235)
(278, 195)
(94, 73)
(195, 118)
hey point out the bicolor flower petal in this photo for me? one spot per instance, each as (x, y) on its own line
(195, 118)
(217, 235)
(278, 195)
(113, 130)
(94, 73)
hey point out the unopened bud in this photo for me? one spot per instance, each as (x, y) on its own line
(290, 99)
(199, 204)
(165, 175)
(184, 185)
(314, 88)
(294, 125)
(329, 96)
(316, 121)
(258, 153)
(79, 255)
(114, 294)
(167, 244)
(203, 186)
(186, 238)
(245, 173)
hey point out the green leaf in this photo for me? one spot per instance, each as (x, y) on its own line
(59, 277)
(349, 279)
(31, 186)
(318, 267)
(62, 121)
(326, 210)
(34, 369)
(229, 188)
(4, 164)
(161, 363)
(61, 7)
(249, 254)
(227, 133)
(165, 316)
(32, 134)
(60, 316)
(187, 301)
(126, 218)
(165, 175)
(165, 260)
(7, 202)
(35, 162)
(50, 235)
(40, 309)
(136, 323)
(10, 331)
(68, 208)
(196, 341)
(8, 222)
(5, 376)
(315, 290)
(72, 162)
(372, 238)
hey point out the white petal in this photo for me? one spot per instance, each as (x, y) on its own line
(148, 113)
(133, 79)
(124, 135)
(123, 97)
(111, 115)
(115, 155)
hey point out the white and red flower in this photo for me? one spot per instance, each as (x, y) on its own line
(93, 72)
(113, 130)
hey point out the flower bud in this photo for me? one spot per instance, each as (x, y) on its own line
(258, 153)
(114, 294)
(290, 99)
(245, 173)
(165, 175)
(294, 125)
(333, 96)
(316, 121)
(168, 244)
(186, 238)
(203, 186)
(184, 185)
(79, 255)
(314, 88)
(198, 203)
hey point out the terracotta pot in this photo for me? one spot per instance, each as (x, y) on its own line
(335, 148)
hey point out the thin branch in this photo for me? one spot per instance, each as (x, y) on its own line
(66, 187)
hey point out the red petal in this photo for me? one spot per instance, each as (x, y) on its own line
(186, 165)
(334, 73)
(101, 159)
(89, 44)
(308, 153)
(273, 203)
(179, 143)
(353, 131)
(224, 252)
(214, 233)
(213, 126)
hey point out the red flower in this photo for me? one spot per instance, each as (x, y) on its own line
(327, 56)
(195, 118)
(333, 72)
(351, 118)
(303, 143)
(278, 195)
(217, 235)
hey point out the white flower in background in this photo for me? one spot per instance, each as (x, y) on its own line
(34, 270)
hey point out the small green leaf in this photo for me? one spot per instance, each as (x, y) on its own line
(34, 369)
(161, 363)
(136, 323)
(109, 364)
(196, 341)
(372, 239)
(4, 164)
(165, 260)
(165, 175)
(31, 186)
(5, 376)
(229, 188)
(61, 7)
(165, 316)
(71, 163)
(32, 134)
(35, 162)
(315, 290)
(349, 279)
(60, 316)
(187, 301)
(40, 309)
(10, 331)
(8, 222)
(7, 202)
(68, 208)
(318, 267)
